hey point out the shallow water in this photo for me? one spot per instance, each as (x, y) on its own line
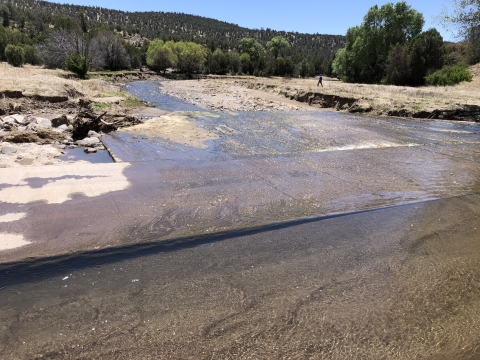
(185, 263)
(77, 154)
(397, 283)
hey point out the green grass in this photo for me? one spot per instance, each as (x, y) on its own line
(100, 106)
(415, 107)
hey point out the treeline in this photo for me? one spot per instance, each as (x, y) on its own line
(307, 54)
(389, 47)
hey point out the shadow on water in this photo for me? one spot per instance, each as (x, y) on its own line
(32, 270)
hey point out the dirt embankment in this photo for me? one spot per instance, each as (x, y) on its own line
(243, 93)
(361, 104)
(44, 111)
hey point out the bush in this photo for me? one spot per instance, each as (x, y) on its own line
(449, 75)
(31, 55)
(77, 64)
(15, 55)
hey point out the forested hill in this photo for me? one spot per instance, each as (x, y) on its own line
(37, 15)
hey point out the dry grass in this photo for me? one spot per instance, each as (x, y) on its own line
(383, 97)
(33, 80)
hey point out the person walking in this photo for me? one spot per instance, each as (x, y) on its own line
(320, 79)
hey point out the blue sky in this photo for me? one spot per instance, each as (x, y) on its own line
(324, 17)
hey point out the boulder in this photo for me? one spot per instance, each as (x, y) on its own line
(19, 119)
(90, 150)
(43, 123)
(32, 126)
(9, 120)
(62, 128)
(9, 149)
(59, 121)
(89, 142)
(92, 133)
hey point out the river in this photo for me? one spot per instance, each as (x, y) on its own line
(312, 235)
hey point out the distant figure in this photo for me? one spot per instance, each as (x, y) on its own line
(320, 79)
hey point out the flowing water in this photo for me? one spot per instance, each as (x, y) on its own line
(221, 271)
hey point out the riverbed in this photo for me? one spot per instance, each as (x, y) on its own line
(277, 234)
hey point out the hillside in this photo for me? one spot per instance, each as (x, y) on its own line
(36, 17)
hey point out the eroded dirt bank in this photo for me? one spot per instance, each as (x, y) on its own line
(265, 94)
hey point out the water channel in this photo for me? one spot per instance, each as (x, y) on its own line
(313, 235)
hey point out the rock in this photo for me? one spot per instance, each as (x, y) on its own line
(90, 150)
(9, 149)
(62, 128)
(32, 127)
(30, 120)
(70, 119)
(19, 119)
(59, 121)
(9, 120)
(89, 142)
(44, 123)
(92, 133)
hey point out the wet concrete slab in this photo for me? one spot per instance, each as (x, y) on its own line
(171, 190)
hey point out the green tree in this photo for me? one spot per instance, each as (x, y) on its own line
(220, 62)
(77, 64)
(15, 55)
(276, 44)
(235, 63)
(427, 54)
(398, 65)
(339, 64)
(367, 46)
(252, 47)
(191, 57)
(246, 63)
(161, 56)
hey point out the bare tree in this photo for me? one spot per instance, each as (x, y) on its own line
(106, 51)
(60, 45)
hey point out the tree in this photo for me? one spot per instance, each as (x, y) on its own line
(466, 19)
(77, 64)
(427, 54)
(465, 16)
(191, 57)
(398, 65)
(235, 64)
(60, 45)
(220, 62)
(276, 44)
(15, 55)
(246, 63)
(160, 56)
(106, 51)
(251, 47)
(368, 45)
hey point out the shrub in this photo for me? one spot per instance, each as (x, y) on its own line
(31, 55)
(15, 55)
(449, 75)
(77, 64)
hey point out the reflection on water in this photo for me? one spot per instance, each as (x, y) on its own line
(397, 283)
(76, 154)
